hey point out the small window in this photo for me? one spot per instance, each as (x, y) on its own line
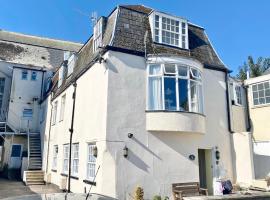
(98, 29)
(65, 158)
(75, 160)
(24, 75)
(261, 93)
(62, 109)
(33, 76)
(55, 155)
(27, 113)
(169, 30)
(238, 95)
(91, 162)
(71, 64)
(54, 114)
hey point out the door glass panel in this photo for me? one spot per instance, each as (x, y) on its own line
(16, 151)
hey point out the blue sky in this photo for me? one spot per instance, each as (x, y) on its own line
(237, 28)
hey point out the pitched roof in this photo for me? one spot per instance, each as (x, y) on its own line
(34, 51)
(39, 41)
(119, 37)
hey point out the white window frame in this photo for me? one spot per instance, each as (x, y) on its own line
(54, 114)
(180, 33)
(24, 72)
(65, 158)
(75, 157)
(91, 162)
(71, 64)
(238, 100)
(264, 97)
(97, 36)
(55, 156)
(177, 77)
(62, 109)
(34, 78)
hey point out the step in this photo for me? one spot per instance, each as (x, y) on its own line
(260, 184)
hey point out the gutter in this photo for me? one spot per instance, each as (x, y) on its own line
(247, 107)
(71, 134)
(228, 104)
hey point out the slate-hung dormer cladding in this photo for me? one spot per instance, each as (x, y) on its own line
(125, 30)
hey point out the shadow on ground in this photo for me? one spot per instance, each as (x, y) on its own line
(11, 188)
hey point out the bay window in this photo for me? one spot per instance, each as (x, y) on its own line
(174, 87)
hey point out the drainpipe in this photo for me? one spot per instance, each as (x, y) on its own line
(49, 138)
(247, 107)
(228, 103)
(71, 134)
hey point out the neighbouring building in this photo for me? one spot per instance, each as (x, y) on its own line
(26, 65)
(259, 100)
(147, 101)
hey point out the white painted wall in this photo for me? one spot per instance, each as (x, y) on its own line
(110, 103)
(158, 159)
(21, 97)
(89, 127)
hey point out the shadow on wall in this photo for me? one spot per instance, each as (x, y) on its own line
(261, 165)
(137, 161)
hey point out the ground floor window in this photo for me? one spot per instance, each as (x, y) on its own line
(65, 157)
(55, 155)
(91, 162)
(75, 160)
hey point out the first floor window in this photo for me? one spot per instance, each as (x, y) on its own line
(65, 158)
(75, 160)
(91, 162)
(34, 76)
(24, 74)
(62, 109)
(54, 114)
(174, 87)
(55, 155)
(261, 93)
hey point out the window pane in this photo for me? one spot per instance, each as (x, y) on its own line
(267, 92)
(261, 93)
(254, 87)
(155, 93)
(183, 94)
(267, 99)
(255, 95)
(155, 69)
(261, 100)
(255, 101)
(260, 86)
(266, 85)
(170, 69)
(194, 93)
(182, 71)
(170, 93)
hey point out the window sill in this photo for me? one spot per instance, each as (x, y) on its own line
(174, 111)
(73, 177)
(260, 106)
(179, 121)
(171, 46)
(89, 182)
(54, 170)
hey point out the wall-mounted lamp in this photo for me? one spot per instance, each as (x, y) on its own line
(191, 157)
(95, 151)
(125, 152)
(130, 135)
(217, 155)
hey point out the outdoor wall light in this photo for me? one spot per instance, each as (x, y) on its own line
(217, 155)
(95, 151)
(191, 157)
(130, 135)
(125, 152)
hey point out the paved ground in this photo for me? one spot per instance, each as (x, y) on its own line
(10, 188)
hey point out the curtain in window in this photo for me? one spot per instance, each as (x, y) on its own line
(155, 93)
(196, 95)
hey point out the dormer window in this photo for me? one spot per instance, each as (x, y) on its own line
(169, 30)
(71, 64)
(98, 29)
